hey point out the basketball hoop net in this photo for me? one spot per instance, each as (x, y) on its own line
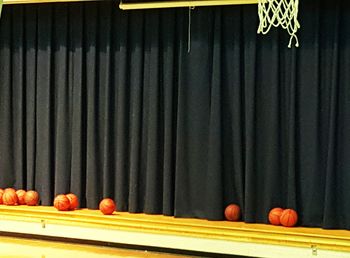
(282, 13)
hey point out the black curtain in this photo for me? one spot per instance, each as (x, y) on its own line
(127, 105)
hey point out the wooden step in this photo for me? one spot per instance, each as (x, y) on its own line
(312, 238)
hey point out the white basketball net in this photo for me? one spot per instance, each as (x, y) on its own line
(279, 13)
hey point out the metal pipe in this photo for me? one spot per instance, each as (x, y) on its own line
(173, 4)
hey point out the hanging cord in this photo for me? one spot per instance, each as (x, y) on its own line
(189, 29)
(279, 12)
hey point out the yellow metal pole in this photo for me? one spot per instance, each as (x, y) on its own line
(42, 1)
(173, 4)
(146, 5)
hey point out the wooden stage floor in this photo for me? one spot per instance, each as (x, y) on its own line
(222, 237)
(14, 247)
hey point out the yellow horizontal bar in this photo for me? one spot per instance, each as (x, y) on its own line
(41, 1)
(336, 240)
(173, 4)
(146, 5)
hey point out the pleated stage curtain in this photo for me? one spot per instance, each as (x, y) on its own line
(109, 103)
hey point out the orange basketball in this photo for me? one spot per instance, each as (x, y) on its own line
(31, 198)
(289, 218)
(274, 216)
(9, 197)
(233, 212)
(107, 206)
(61, 202)
(1, 193)
(20, 195)
(73, 200)
(10, 189)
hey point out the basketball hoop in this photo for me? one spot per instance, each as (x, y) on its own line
(282, 13)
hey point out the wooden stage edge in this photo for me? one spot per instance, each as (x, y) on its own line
(221, 237)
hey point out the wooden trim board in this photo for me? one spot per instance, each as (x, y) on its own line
(168, 232)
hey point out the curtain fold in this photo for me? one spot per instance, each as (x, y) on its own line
(109, 103)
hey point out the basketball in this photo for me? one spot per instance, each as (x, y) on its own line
(20, 195)
(10, 189)
(274, 216)
(289, 218)
(233, 212)
(9, 197)
(107, 206)
(31, 198)
(61, 202)
(1, 193)
(73, 200)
